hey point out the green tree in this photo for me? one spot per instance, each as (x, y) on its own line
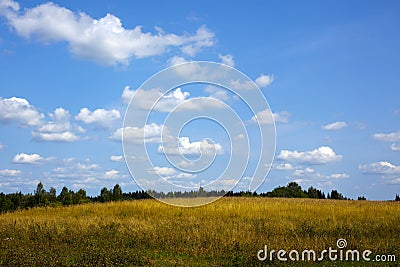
(80, 196)
(336, 195)
(105, 195)
(65, 196)
(41, 195)
(117, 193)
(52, 195)
(315, 193)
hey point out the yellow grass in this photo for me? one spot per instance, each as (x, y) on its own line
(227, 232)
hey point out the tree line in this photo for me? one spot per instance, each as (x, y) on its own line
(43, 198)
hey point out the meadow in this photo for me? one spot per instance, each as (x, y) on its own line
(228, 232)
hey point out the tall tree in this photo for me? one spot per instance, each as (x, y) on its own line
(117, 193)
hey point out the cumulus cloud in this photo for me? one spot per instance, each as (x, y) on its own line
(302, 172)
(103, 40)
(127, 95)
(168, 101)
(284, 166)
(382, 167)
(9, 173)
(227, 59)
(176, 60)
(163, 171)
(264, 80)
(84, 174)
(19, 110)
(185, 147)
(111, 174)
(321, 155)
(1, 146)
(261, 81)
(148, 97)
(101, 117)
(23, 158)
(117, 158)
(388, 137)
(150, 133)
(264, 117)
(54, 137)
(388, 171)
(335, 126)
(59, 129)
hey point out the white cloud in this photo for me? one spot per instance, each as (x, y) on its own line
(55, 137)
(163, 171)
(19, 110)
(102, 40)
(388, 171)
(239, 137)
(103, 118)
(147, 98)
(227, 59)
(242, 85)
(185, 175)
(321, 155)
(176, 60)
(298, 172)
(127, 95)
(117, 158)
(111, 174)
(136, 134)
(23, 158)
(75, 168)
(264, 117)
(264, 80)
(217, 92)
(395, 147)
(382, 167)
(58, 129)
(60, 114)
(284, 167)
(282, 116)
(389, 137)
(335, 126)
(171, 173)
(309, 170)
(185, 147)
(261, 81)
(1, 146)
(87, 167)
(339, 176)
(9, 173)
(5, 4)
(203, 38)
(185, 164)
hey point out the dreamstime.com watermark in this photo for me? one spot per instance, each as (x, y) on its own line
(332, 254)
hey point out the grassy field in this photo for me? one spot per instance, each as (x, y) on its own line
(228, 232)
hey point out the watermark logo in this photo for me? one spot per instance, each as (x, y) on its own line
(340, 253)
(198, 127)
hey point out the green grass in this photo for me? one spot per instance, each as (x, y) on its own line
(228, 232)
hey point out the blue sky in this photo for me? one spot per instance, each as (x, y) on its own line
(330, 73)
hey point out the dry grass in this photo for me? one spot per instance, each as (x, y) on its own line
(228, 232)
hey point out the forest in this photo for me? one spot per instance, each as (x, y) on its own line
(41, 197)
